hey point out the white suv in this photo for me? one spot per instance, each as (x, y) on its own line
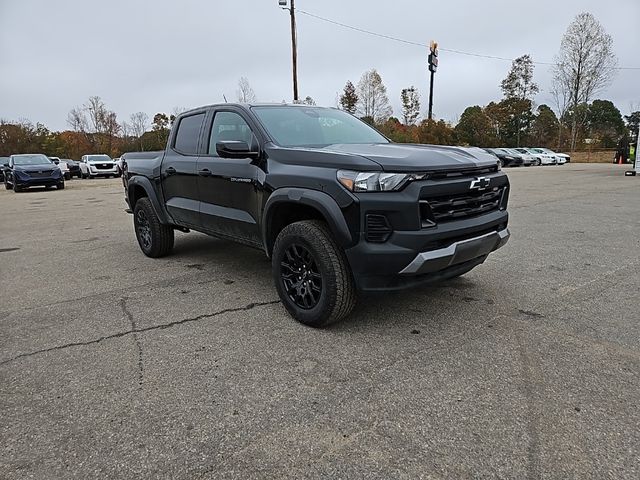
(98, 166)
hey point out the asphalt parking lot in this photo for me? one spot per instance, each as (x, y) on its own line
(116, 365)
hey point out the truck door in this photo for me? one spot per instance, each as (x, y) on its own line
(178, 172)
(228, 199)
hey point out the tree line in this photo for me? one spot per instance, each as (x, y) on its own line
(584, 66)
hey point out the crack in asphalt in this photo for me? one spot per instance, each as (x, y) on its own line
(156, 283)
(136, 340)
(163, 326)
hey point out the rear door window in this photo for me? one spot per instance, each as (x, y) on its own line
(188, 133)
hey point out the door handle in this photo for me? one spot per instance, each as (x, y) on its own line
(170, 171)
(205, 172)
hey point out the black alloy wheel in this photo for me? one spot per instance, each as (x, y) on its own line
(154, 238)
(143, 228)
(301, 277)
(312, 274)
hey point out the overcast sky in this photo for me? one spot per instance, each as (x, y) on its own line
(156, 55)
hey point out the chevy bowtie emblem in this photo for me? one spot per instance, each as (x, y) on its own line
(480, 183)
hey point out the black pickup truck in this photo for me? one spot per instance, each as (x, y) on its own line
(336, 206)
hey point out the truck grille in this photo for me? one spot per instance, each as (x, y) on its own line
(103, 166)
(454, 207)
(463, 173)
(41, 174)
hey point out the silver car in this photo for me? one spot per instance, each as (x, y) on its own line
(527, 159)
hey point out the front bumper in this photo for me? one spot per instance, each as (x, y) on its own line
(456, 253)
(412, 258)
(38, 182)
(96, 172)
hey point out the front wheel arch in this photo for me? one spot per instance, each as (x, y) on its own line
(308, 205)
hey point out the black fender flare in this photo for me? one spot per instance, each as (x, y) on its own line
(321, 201)
(143, 182)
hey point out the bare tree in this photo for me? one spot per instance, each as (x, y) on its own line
(245, 92)
(372, 97)
(96, 122)
(97, 113)
(584, 66)
(77, 120)
(178, 110)
(561, 102)
(139, 125)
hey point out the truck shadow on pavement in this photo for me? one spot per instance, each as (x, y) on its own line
(238, 266)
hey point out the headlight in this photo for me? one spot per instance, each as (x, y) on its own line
(376, 181)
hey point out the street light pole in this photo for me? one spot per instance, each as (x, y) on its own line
(431, 96)
(294, 48)
(433, 66)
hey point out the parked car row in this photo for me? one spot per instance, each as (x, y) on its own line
(526, 156)
(19, 172)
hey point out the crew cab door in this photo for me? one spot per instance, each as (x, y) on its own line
(228, 198)
(178, 171)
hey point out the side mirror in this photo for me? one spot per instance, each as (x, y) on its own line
(235, 149)
(6, 165)
(57, 162)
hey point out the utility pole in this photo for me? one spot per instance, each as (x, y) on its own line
(433, 66)
(294, 45)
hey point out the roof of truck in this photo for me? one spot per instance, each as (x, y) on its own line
(255, 104)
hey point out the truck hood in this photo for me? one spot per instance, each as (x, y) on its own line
(395, 157)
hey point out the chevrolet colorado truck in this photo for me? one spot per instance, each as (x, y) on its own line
(335, 205)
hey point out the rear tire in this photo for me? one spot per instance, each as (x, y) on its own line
(154, 238)
(312, 275)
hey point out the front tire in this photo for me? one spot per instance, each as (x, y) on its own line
(154, 238)
(312, 275)
(60, 186)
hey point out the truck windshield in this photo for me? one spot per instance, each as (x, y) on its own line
(315, 127)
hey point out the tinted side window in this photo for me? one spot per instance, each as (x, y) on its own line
(229, 126)
(186, 140)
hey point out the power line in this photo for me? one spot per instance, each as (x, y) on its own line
(418, 44)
